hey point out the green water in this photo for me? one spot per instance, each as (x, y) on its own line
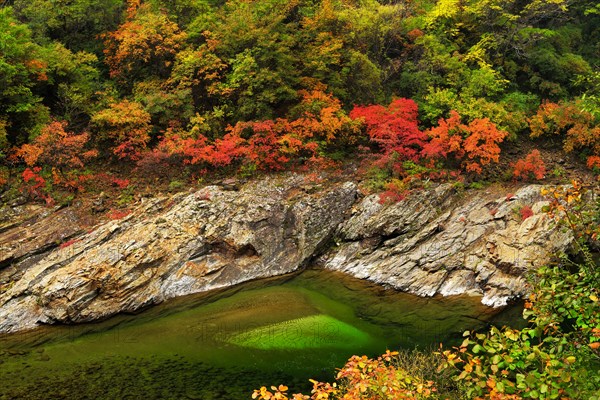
(222, 346)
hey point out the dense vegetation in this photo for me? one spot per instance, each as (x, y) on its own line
(177, 89)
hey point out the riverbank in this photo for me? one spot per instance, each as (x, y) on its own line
(441, 240)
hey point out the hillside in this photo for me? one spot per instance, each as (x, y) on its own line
(96, 94)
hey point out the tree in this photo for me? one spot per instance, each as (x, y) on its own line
(73, 84)
(126, 127)
(394, 129)
(145, 45)
(258, 40)
(197, 82)
(22, 69)
(319, 117)
(75, 23)
(475, 144)
(57, 147)
(578, 127)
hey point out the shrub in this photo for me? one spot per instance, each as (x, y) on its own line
(474, 145)
(570, 120)
(393, 129)
(525, 212)
(57, 147)
(363, 378)
(532, 165)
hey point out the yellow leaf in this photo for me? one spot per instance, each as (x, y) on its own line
(593, 297)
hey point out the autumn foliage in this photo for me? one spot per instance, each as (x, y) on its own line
(181, 88)
(394, 129)
(125, 124)
(525, 212)
(57, 147)
(573, 123)
(532, 165)
(320, 124)
(400, 143)
(146, 41)
(362, 378)
(317, 125)
(474, 145)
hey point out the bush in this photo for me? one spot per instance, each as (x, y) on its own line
(382, 378)
(531, 166)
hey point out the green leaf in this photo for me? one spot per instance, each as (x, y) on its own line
(500, 387)
(478, 348)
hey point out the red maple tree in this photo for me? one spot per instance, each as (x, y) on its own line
(394, 129)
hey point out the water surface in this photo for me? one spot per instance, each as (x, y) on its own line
(224, 345)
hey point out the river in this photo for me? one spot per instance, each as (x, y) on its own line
(224, 344)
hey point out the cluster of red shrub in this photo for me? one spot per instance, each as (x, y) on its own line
(391, 136)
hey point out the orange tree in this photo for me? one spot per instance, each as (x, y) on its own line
(61, 153)
(475, 144)
(57, 147)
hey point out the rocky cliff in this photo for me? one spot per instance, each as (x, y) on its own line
(436, 241)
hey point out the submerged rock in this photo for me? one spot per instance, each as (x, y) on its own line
(434, 242)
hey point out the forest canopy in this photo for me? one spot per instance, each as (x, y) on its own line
(263, 85)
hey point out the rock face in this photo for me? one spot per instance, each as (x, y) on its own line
(433, 242)
(436, 242)
(171, 247)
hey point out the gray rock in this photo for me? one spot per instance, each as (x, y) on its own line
(433, 242)
(437, 243)
(209, 239)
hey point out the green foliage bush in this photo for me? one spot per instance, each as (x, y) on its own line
(558, 354)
